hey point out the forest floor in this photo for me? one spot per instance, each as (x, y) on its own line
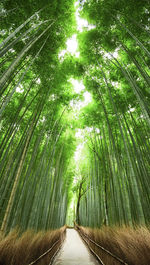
(74, 251)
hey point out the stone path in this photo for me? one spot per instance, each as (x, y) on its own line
(74, 251)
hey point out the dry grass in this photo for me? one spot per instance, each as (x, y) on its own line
(22, 250)
(131, 245)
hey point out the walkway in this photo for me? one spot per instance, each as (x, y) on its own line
(74, 252)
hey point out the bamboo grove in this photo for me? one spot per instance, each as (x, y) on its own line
(119, 154)
(37, 127)
(34, 153)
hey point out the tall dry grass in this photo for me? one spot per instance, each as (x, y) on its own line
(22, 250)
(130, 245)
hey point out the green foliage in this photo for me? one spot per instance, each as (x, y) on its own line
(116, 58)
(38, 174)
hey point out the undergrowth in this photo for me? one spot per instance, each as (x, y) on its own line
(130, 245)
(23, 249)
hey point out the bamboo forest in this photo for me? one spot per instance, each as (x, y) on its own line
(74, 132)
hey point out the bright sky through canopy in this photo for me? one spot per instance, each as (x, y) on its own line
(77, 85)
(111, 55)
(77, 154)
(72, 47)
(77, 105)
(72, 44)
(82, 23)
(20, 89)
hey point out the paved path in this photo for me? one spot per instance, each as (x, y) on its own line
(74, 252)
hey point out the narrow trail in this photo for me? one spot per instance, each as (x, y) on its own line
(74, 251)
